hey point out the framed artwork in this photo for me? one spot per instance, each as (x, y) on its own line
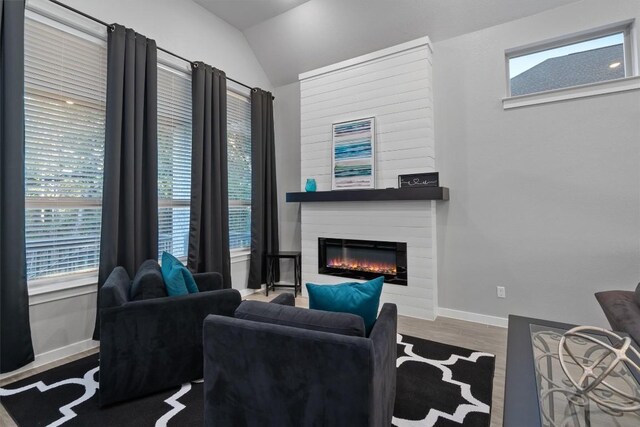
(352, 154)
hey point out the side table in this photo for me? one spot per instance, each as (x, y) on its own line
(537, 392)
(272, 258)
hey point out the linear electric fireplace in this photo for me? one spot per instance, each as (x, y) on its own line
(363, 259)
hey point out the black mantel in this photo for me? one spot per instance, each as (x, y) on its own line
(415, 193)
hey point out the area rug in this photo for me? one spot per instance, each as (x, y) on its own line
(437, 385)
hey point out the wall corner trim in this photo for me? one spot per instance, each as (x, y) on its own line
(472, 317)
(422, 41)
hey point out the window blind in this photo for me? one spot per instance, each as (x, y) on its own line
(174, 160)
(239, 164)
(65, 98)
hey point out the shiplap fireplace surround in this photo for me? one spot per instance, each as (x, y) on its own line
(393, 85)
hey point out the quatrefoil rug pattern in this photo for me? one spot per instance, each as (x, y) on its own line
(437, 385)
(442, 385)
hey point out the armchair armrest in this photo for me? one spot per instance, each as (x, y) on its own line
(284, 299)
(211, 281)
(115, 290)
(383, 336)
(622, 311)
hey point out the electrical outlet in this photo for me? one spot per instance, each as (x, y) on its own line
(502, 293)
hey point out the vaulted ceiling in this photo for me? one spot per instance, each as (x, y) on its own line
(244, 14)
(293, 36)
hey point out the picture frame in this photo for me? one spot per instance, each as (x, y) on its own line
(425, 179)
(353, 154)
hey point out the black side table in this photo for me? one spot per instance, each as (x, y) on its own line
(297, 270)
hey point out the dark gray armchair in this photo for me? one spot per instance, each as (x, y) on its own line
(284, 366)
(148, 341)
(622, 309)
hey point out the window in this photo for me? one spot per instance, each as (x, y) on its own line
(174, 160)
(239, 154)
(65, 97)
(594, 57)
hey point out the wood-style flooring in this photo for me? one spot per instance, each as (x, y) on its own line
(475, 336)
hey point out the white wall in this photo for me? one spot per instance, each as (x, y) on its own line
(394, 86)
(287, 130)
(187, 29)
(545, 200)
(62, 322)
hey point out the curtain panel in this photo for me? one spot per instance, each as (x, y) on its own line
(16, 349)
(209, 218)
(129, 233)
(264, 194)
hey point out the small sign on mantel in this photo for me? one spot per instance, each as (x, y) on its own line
(426, 179)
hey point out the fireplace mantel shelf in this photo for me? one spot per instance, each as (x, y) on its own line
(421, 193)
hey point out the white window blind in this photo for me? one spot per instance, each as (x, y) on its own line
(65, 97)
(174, 160)
(239, 161)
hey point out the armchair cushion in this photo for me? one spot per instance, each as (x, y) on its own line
(314, 320)
(638, 294)
(148, 283)
(361, 299)
(177, 279)
(211, 281)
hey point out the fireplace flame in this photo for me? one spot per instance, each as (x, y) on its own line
(362, 265)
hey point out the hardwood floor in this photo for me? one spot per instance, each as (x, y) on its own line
(475, 336)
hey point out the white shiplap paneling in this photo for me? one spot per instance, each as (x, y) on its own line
(395, 88)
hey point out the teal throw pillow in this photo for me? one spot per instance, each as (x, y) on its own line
(362, 299)
(177, 278)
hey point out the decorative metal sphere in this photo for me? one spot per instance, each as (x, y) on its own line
(606, 358)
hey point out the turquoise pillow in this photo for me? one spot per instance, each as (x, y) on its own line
(177, 278)
(362, 299)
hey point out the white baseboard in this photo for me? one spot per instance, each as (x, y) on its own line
(53, 355)
(473, 317)
(247, 292)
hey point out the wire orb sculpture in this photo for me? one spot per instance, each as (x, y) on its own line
(593, 380)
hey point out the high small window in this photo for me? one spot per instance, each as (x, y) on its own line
(590, 58)
(65, 103)
(174, 160)
(239, 161)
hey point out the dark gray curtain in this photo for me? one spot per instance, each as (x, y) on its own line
(209, 224)
(129, 233)
(16, 349)
(264, 194)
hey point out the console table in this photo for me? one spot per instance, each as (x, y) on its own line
(526, 367)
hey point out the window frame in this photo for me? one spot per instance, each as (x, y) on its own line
(40, 12)
(239, 252)
(627, 28)
(181, 70)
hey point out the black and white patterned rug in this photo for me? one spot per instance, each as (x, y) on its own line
(438, 385)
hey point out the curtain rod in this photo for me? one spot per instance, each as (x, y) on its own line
(99, 21)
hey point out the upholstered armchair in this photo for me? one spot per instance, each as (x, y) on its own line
(276, 365)
(148, 341)
(622, 309)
